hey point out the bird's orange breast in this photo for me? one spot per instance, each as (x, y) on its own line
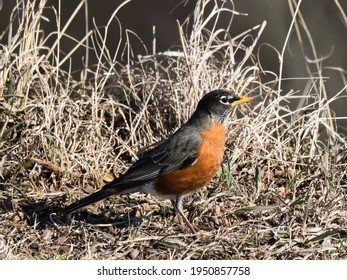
(194, 177)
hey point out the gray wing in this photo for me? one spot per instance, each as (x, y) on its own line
(177, 152)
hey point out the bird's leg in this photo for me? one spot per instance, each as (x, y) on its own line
(179, 209)
(173, 202)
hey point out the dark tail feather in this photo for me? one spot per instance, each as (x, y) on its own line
(106, 191)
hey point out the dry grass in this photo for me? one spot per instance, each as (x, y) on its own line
(281, 194)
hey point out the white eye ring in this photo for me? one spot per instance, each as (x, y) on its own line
(224, 99)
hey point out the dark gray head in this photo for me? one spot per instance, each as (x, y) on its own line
(217, 103)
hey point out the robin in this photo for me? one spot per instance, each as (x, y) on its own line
(183, 163)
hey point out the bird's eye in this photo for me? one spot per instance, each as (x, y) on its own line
(224, 99)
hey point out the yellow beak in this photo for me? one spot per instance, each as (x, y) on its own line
(243, 99)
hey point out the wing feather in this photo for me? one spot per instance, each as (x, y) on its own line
(177, 152)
